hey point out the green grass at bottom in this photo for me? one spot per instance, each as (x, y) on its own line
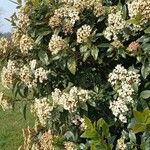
(11, 124)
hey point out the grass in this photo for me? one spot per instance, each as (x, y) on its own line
(11, 124)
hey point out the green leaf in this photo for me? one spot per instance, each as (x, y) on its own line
(93, 147)
(139, 116)
(147, 30)
(23, 91)
(69, 135)
(24, 111)
(72, 65)
(86, 55)
(90, 133)
(35, 3)
(145, 71)
(145, 94)
(132, 137)
(43, 57)
(83, 49)
(88, 122)
(94, 52)
(124, 11)
(13, 2)
(19, 2)
(105, 129)
(136, 20)
(84, 106)
(139, 128)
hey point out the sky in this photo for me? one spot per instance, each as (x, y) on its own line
(6, 10)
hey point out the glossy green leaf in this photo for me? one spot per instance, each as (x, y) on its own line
(43, 57)
(72, 65)
(145, 94)
(94, 52)
(139, 128)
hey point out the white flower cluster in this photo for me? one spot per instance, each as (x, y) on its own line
(65, 16)
(122, 81)
(33, 64)
(121, 144)
(80, 5)
(40, 74)
(8, 73)
(16, 36)
(56, 44)
(47, 140)
(42, 109)
(26, 76)
(98, 9)
(140, 7)
(4, 103)
(26, 44)
(133, 47)
(83, 34)
(68, 14)
(70, 146)
(115, 25)
(31, 75)
(79, 121)
(70, 100)
(24, 20)
(4, 45)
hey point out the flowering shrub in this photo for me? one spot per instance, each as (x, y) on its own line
(84, 68)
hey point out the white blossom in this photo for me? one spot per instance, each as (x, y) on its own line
(121, 144)
(40, 74)
(83, 34)
(26, 44)
(115, 25)
(8, 73)
(4, 103)
(4, 45)
(42, 109)
(69, 100)
(122, 80)
(56, 44)
(26, 76)
(33, 64)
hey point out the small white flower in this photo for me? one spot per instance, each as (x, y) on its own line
(121, 80)
(83, 34)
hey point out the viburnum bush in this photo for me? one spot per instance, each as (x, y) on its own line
(83, 67)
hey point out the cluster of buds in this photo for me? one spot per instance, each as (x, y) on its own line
(26, 44)
(79, 121)
(66, 17)
(83, 34)
(122, 81)
(140, 8)
(16, 36)
(4, 45)
(8, 73)
(5, 102)
(121, 144)
(115, 25)
(23, 17)
(70, 146)
(69, 100)
(133, 47)
(42, 109)
(56, 44)
(26, 76)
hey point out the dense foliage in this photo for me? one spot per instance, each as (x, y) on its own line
(84, 67)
